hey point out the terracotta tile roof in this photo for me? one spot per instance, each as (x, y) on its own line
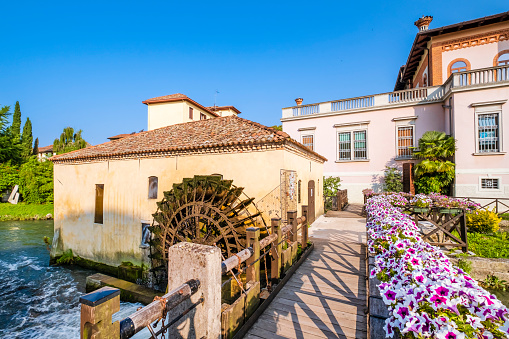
(177, 97)
(191, 136)
(46, 149)
(120, 136)
(224, 108)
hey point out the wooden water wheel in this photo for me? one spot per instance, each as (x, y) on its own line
(206, 210)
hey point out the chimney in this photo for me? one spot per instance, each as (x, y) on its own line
(423, 23)
(299, 101)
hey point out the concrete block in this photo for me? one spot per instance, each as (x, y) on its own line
(378, 308)
(373, 287)
(376, 328)
(194, 261)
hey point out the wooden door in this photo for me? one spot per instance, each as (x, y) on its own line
(311, 201)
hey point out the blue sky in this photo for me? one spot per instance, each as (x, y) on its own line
(90, 64)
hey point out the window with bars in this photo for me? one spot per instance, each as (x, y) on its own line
(405, 141)
(488, 133)
(489, 183)
(352, 145)
(308, 141)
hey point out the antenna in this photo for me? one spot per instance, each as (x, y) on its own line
(215, 97)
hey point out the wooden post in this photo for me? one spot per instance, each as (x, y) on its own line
(277, 246)
(292, 220)
(463, 229)
(96, 310)
(304, 227)
(253, 241)
(339, 201)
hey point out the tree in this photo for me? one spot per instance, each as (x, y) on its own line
(277, 127)
(27, 139)
(393, 180)
(36, 147)
(36, 181)
(69, 141)
(435, 172)
(16, 122)
(4, 113)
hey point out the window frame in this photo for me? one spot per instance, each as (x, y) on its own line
(151, 180)
(352, 144)
(450, 69)
(483, 111)
(99, 217)
(498, 55)
(191, 113)
(407, 125)
(495, 190)
(308, 135)
(203, 116)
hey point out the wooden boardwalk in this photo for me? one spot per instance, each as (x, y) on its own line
(326, 297)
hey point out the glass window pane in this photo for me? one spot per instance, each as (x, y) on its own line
(345, 151)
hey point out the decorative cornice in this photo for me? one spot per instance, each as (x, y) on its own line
(475, 40)
(352, 124)
(306, 129)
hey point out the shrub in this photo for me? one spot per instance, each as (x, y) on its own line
(483, 221)
(67, 258)
(331, 185)
(36, 181)
(393, 180)
(9, 176)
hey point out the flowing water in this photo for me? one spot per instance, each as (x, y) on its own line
(36, 300)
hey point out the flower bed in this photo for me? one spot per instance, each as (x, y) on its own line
(427, 297)
(433, 200)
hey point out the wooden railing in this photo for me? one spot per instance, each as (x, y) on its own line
(500, 205)
(336, 202)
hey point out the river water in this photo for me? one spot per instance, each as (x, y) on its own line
(36, 300)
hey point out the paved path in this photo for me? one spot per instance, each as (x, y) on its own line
(351, 211)
(326, 297)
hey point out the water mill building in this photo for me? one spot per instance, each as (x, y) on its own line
(105, 195)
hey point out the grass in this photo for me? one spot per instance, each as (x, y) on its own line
(504, 216)
(494, 245)
(24, 211)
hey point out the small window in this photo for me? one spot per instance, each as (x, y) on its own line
(299, 193)
(308, 141)
(99, 200)
(191, 113)
(405, 141)
(489, 184)
(488, 133)
(503, 59)
(203, 116)
(425, 80)
(152, 187)
(458, 66)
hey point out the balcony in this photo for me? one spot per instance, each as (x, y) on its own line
(486, 77)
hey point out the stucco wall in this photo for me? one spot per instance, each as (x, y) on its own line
(469, 166)
(381, 136)
(171, 113)
(126, 201)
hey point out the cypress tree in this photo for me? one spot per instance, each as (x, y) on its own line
(36, 147)
(27, 139)
(16, 121)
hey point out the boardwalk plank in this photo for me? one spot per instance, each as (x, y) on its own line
(326, 297)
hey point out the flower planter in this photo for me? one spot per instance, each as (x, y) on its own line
(451, 210)
(422, 210)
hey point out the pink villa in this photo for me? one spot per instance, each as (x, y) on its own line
(455, 80)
